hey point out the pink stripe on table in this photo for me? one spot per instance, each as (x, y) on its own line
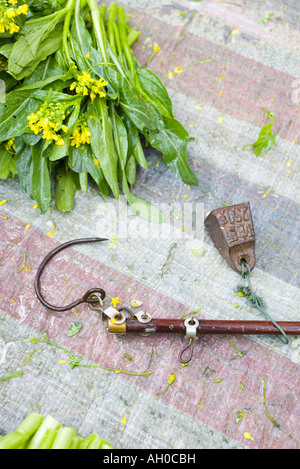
(247, 88)
(198, 383)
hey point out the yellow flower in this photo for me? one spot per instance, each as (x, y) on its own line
(156, 48)
(115, 301)
(9, 14)
(49, 120)
(178, 69)
(88, 86)
(10, 144)
(81, 134)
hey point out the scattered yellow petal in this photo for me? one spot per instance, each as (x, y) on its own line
(276, 208)
(186, 196)
(155, 27)
(234, 31)
(222, 227)
(222, 78)
(5, 218)
(114, 239)
(265, 195)
(289, 163)
(123, 419)
(220, 93)
(35, 206)
(2, 202)
(295, 141)
(12, 301)
(50, 234)
(26, 227)
(248, 436)
(221, 120)
(62, 362)
(115, 301)
(178, 69)
(96, 162)
(183, 228)
(191, 125)
(201, 404)
(199, 107)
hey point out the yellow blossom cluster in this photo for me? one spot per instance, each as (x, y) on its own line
(9, 11)
(81, 134)
(88, 86)
(10, 145)
(49, 120)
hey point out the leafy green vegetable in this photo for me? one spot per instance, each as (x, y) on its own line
(266, 139)
(78, 103)
(36, 432)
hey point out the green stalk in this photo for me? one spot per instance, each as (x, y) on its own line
(133, 37)
(49, 17)
(64, 438)
(49, 423)
(87, 441)
(118, 43)
(99, 443)
(30, 424)
(48, 439)
(123, 39)
(13, 440)
(112, 12)
(99, 28)
(22, 434)
(66, 30)
(76, 442)
(102, 12)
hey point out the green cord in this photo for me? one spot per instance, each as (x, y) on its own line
(257, 301)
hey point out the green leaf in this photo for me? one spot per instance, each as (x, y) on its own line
(102, 143)
(65, 189)
(74, 329)
(58, 152)
(75, 361)
(131, 170)
(172, 142)
(144, 115)
(41, 188)
(6, 163)
(14, 112)
(266, 139)
(156, 91)
(120, 136)
(24, 165)
(35, 42)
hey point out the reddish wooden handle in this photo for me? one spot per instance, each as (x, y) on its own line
(208, 326)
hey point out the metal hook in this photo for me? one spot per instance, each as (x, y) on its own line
(91, 296)
(190, 346)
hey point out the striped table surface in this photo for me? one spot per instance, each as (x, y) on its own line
(237, 393)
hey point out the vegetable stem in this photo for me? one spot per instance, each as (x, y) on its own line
(99, 28)
(70, 7)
